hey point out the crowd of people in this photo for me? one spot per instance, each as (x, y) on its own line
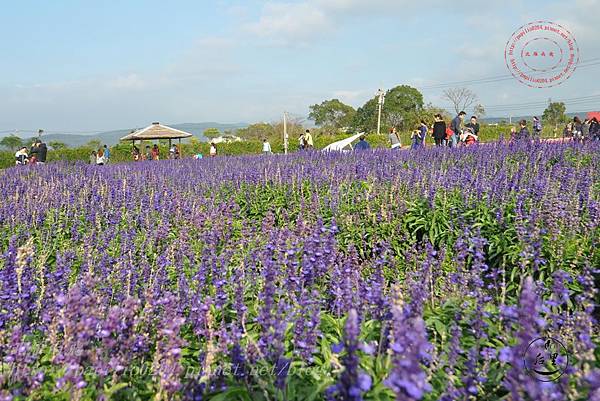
(153, 153)
(460, 134)
(582, 131)
(306, 141)
(36, 155)
(457, 133)
(101, 156)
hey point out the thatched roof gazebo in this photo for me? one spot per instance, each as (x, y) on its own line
(156, 131)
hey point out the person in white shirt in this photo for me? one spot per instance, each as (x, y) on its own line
(394, 139)
(21, 156)
(308, 140)
(213, 150)
(266, 147)
(100, 159)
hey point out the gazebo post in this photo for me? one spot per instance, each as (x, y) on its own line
(169, 147)
(179, 148)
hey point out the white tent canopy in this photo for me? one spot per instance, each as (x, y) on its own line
(344, 144)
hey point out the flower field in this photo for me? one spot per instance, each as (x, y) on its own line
(424, 275)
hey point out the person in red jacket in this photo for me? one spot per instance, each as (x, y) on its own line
(449, 133)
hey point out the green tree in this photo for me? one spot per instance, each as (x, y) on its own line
(211, 133)
(555, 114)
(401, 110)
(57, 145)
(11, 142)
(332, 114)
(257, 131)
(428, 112)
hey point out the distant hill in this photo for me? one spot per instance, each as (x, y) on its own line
(112, 137)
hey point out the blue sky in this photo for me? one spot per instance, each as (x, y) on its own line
(89, 66)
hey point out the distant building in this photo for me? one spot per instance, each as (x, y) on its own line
(226, 139)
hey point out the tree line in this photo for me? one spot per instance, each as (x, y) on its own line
(404, 108)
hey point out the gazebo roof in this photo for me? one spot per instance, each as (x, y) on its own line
(156, 131)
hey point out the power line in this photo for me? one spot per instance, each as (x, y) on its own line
(500, 78)
(579, 102)
(583, 99)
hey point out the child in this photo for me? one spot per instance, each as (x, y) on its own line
(136, 153)
(468, 137)
(416, 139)
(513, 133)
(449, 134)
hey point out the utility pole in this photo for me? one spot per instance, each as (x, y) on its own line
(285, 133)
(381, 100)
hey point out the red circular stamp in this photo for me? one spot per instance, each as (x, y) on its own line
(542, 54)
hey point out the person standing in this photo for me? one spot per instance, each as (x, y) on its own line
(595, 129)
(523, 133)
(415, 139)
(423, 133)
(213, 150)
(456, 127)
(394, 139)
(266, 147)
(147, 154)
(308, 140)
(362, 144)
(100, 158)
(155, 152)
(585, 129)
(439, 130)
(39, 151)
(513, 134)
(135, 153)
(301, 142)
(106, 152)
(93, 157)
(577, 128)
(537, 128)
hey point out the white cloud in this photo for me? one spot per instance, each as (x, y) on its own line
(290, 23)
(297, 23)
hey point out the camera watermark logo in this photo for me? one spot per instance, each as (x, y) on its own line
(542, 54)
(546, 359)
